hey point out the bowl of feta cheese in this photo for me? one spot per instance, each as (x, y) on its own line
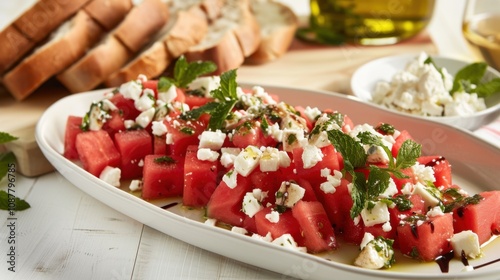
(435, 87)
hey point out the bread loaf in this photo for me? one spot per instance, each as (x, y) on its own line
(108, 13)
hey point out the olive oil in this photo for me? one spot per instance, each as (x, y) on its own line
(482, 33)
(369, 22)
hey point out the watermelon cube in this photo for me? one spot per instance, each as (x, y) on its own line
(133, 146)
(73, 124)
(426, 238)
(200, 178)
(96, 150)
(162, 176)
(482, 216)
(286, 223)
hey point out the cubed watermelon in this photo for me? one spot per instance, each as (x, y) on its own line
(442, 170)
(162, 176)
(481, 215)
(96, 150)
(318, 233)
(330, 161)
(133, 146)
(286, 224)
(200, 178)
(426, 238)
(72, 129)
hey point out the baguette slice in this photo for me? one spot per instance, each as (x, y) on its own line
(68, 43)
(113, 53)
(142, 23)
(14, 45)
(187, 25)
(89, 72)
(230, 38)
(278, 24)
(108, 13)
(32, 26)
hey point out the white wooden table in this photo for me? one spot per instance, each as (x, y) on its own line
(67, 234)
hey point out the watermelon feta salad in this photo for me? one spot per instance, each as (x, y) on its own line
(298, 177)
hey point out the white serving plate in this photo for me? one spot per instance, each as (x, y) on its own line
(475, 164)
(365, 78)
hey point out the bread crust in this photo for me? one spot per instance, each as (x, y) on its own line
(45, 16)
(90, 71)
(14, 45)
(145, 20)
(108, 13)
(54, 56)
(150, 63)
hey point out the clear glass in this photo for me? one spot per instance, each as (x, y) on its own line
(481, 29)
(368, 22)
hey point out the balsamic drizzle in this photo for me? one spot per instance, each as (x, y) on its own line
(169, 205)
(444, 261)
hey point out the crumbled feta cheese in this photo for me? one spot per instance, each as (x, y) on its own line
(158, 128)
(131, 90)
(289, 194)
(375, 253)
(273, 216)
(212, 139)
(267, 238)
(391, 190)
(169, 95)
(312, 113)
(467, 242)
(377, 215)
(427, 197)
(135, 185)
(207, 154)
(128, 124)
(239, 230)
(292, 138)
(205, 84)
(145, 117)
(421, 89)
(251, 205)
(311, 156)
(287, 241)
(111, 175)
(145, 101)
(228, 156)
(211, 222)
(423, 173)
(107, 105)
(230, 179)
(247, 160)
(270, 159)
(435, 211)
(169, 138)
(332, 181)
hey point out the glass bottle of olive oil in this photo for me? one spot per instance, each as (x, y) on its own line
(368, 22)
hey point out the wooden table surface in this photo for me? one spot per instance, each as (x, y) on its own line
(67, 234)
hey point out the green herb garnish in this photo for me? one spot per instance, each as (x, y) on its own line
(164, 159)
(185, 72)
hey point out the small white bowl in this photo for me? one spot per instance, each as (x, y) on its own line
(366, 77)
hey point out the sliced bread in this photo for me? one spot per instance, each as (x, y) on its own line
(99, 10)
(32, 26)
(119, 47)
(230, 38)
(187, 25)
(67, 44)
(278, 24)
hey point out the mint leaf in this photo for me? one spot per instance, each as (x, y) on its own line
(219, 115)
(196, 113)
(19, 203)
(358, 192)
(408, 154)
(470, 74)
(164, 84)
(353, 153)
(227, 89)
(378, 181)
(488, 88)
(5, 159)
(6, 137)
(185, 73)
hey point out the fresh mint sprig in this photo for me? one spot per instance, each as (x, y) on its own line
(226, 96)
(185, 72)
(366, 190)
